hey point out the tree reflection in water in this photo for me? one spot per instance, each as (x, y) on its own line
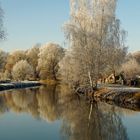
(81, 120)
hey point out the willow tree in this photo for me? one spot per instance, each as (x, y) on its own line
(90, 33)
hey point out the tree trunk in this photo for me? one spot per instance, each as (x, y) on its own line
(90, 80)
(114, 74)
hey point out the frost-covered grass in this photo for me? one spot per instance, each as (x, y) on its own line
(125, 96)
(124, 88)
(21, 84)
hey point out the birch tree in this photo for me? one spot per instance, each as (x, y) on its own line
(116, 50)
(90, 31)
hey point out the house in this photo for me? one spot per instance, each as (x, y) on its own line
(118, 79)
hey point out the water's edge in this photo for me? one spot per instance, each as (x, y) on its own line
(126, 97)
(19, 85)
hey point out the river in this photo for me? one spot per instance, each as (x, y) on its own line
(52, 113)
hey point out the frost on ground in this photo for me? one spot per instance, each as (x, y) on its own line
(127, 97)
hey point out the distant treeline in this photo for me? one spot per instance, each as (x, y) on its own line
(39, 62)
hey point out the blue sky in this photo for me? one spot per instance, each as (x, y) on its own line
(40, 21)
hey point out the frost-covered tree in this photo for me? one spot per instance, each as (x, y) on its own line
(91, 30)
(49, 57)
(13, 58)
(136, 55)
(3, 58)
(22, 70)
(2, 32)
(116, 50)
(5, 75)
(32, 57)
(131, 68)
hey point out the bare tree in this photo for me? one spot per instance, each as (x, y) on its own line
(2, 31)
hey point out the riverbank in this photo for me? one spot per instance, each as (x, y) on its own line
(123, 96)
(127, 97)
(17, 85)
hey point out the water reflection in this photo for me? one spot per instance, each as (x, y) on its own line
(80, 120)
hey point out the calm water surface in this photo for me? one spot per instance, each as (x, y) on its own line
(50, 113)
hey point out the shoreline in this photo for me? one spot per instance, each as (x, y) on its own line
(18, 85)
(126, 97)
(122, 96)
